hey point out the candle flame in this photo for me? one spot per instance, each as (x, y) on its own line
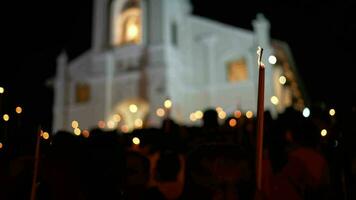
(259, 56)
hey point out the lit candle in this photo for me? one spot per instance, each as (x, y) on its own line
(260, 117)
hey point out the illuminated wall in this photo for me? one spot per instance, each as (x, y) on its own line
(144, 52)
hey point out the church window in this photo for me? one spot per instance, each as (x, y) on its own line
(127, 27)
(82, 92)
(237, 70)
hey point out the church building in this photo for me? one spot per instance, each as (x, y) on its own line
(153, 58)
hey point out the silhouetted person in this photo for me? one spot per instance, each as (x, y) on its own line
(169, 177)
(137, 175)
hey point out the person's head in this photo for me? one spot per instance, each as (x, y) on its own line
(219, 172)
(137, 169)
(168, 166)
(210, 118)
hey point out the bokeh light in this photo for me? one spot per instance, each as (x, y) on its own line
(160, 112)
(232, 122)
(167, 103)
(77, 131)
(136, 140)
(75, 124)
(306, 112)
(274, 100)
(133, 108)
(323, 132)
(272, 59)
(332, 112)
(249, 114)
(18, 110)
(282, 80)
(6, 117)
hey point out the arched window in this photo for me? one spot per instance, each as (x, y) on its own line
(126, 26)
(237, 70)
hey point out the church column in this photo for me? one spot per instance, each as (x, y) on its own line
(109, 77)
(209, 42)
(99, 24)
(60, 96)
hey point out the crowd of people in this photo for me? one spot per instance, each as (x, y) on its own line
(212, 161)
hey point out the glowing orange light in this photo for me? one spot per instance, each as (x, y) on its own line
(1, 145)
(237, 114)
(45, 135)
(18, 110)
(232, 122)
(86, 133)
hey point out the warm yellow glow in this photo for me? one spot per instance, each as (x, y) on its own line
(232, 122)
(160, 112)
(282, 80)
(222, 115)
(18, 110)
(77, 131)
(136, 140)
(198, 114)
(85, 133)
(101, 124)
(132, 30)
(249, 114)
(274, 100)
(332, 112)
(127, 26)
(237, 114)
(1, 145)
(6, 117)
(192, 117)
(272, 59)
(45, 135)
(133, 108)
(218, 109)
(306, 112)
(111, 124)
(167, 103)
(138, 123)
(116, 118)
(2, 90)
(323, 132)
(125, 128)
(75, 124)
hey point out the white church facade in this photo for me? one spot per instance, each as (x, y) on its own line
(145, 52)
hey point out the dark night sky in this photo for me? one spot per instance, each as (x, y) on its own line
(321, 35)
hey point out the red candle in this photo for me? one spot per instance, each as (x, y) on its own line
(260, 118)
